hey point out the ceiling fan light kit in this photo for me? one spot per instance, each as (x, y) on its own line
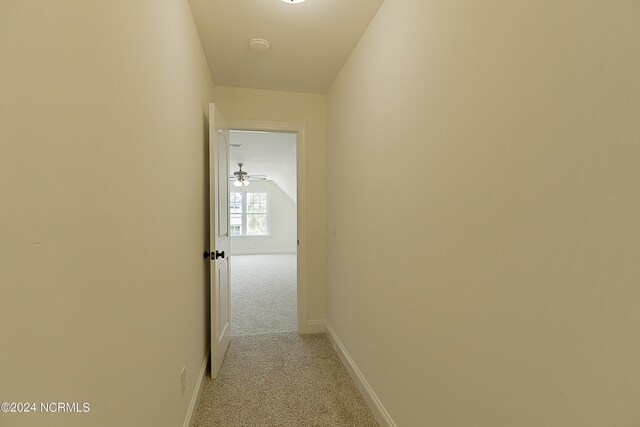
(242, 178)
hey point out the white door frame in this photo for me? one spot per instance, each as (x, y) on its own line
(301, 206)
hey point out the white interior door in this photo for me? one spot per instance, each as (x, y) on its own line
(220, 238)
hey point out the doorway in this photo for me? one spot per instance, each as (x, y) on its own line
(304, 325)
(263, 229)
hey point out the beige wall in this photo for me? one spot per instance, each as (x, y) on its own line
(265, 105)
(282, 223)
(483, 169)
(102, 209)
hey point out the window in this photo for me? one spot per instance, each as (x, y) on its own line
(249, 214)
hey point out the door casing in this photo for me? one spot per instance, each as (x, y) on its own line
(304, 325)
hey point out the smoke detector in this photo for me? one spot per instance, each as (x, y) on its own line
(259, 45)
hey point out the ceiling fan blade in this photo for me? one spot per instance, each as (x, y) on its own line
(257, 178)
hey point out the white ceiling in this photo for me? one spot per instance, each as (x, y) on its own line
(269, 153)
(310, 41)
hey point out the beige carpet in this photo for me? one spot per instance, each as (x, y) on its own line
(282, 379)
(263, 294)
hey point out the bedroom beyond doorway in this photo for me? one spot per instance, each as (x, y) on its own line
(263, 227)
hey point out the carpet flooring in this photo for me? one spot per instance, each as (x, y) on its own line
(282, 379)
(263, 294)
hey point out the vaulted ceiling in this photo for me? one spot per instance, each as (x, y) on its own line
(266, 153)
(310, 41)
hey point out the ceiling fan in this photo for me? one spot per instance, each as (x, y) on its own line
(241, 178)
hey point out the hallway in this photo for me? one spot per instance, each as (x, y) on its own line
(282, 379)
(271, 376)
(466, 212)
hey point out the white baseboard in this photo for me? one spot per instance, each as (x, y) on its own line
(314, 327)
(379, 412)
(263, 252)
(197, 391)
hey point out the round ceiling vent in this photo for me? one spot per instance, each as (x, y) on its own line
(259, 45)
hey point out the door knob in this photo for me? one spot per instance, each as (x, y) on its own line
(218, 255)
(206, 255)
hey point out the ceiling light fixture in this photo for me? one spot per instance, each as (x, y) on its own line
(293, 1)
(259, 45)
